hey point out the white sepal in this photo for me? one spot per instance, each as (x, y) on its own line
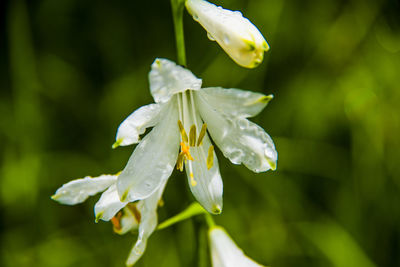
(206, 184)
(77, 191)
(134, 125)
(147, 225)
(167, 79)
(235, 102)
(153, 160)
(239, 139)
(240, 39)
(108, 204)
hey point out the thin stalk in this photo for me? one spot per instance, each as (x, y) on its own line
(209, 220)
(177, 12)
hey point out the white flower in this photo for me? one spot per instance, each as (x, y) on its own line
(240, 39)
(224, 251)
(181, 117)
(141, 215)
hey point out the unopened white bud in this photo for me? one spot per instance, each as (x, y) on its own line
(240, 39)
(224, 251)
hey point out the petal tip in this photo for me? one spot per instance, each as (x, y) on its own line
(99, 216)
(117, 143)
(272, 164)
(55, 197)
(265, 99)
(216, 209)
(266, 46)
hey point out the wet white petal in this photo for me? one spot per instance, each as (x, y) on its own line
(79, 190)
(239, 139)
(208, 186)
(153, 160)
(224, 251)
(108, 204)
(148, 223)
(166, 79)
(135, 124)
(235, 102)
(240, 39)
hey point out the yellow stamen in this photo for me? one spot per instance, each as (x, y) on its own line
(192, 180)
(210, 157)
(202, 134)
(192, 135)
(183, 132)
(136, 213)
(179, 163)
(185, 150)
(161, 202)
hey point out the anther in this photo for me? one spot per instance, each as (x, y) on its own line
(179, 163)
(116, 221)
(136, 213)
(192, 135)
(210, 157)
(183, 132)
(202, 134)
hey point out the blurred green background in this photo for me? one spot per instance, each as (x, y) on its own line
(71, 71)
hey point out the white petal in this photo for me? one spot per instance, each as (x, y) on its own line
(153, 160)
(148, 223)
(240, 39)
(79, 190)
(108, 204)
(208, 186)
(239, 139)
(224, 251)
(166, 79)
(235, 102)
(135, 124)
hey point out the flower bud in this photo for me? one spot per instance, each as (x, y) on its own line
(224, 251)
(240, 39)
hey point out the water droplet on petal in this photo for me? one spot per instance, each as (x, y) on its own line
(195, 17)
(242, 123)
(227, 40)
(210, 37)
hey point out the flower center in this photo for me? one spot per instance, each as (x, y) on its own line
(188, 116)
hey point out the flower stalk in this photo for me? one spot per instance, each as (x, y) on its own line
(177, 13)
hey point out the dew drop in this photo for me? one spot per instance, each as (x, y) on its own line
(269, 153)
(195, 17)
(227, 40)
(242, 123)
(210, 37)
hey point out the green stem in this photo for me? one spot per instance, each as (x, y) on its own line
(177, 12)
(193, 210)
(209, 220)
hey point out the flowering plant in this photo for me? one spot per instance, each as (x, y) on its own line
(183, 117)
